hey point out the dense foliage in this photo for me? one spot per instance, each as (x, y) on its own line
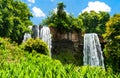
(67, 57)
(16, 63)
(90, 22)
(20, 61)
(62, 21)
(94, 22)
(14, 19)
(112, 49)
(10, 52)
(36, 44)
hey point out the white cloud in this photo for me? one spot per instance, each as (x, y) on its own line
(38, 12)
(32, 1)
(97, 6)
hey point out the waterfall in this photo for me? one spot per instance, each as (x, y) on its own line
(92, 51)
(42, 32)
(35, 30)
(46, 36)
(35, 34)
(27, 35)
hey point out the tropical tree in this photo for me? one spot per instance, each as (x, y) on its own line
(58, 18)
(94, 22)
(14, 19)
(62, 21)
(60, 10)
(112, 49)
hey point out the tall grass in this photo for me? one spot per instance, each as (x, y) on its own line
(16, 63)
(40, 66)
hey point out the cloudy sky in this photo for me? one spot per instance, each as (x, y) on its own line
(41, 8)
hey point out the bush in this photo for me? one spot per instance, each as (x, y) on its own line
(37, 45)
(65, 57)
(112, 48)
(112, 56)
(9, 51)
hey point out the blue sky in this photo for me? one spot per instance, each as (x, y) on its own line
(41, 8)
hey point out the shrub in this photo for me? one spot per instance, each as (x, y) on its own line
(9, 51)
(68, 56)
(36, 44)
(112, 48)
(65, 57)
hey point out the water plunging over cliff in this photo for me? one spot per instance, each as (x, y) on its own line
(42, 32)
(93, 55)
(46, 36)
(27, 35)
(35, 31)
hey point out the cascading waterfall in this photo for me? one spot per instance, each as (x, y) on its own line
(42, 32)
(27, 35)
(46, 36)
(35, 30)
(92, 50)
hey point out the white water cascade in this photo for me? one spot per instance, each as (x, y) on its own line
(46, 36)
(92, 52)
(27, 35)
(42, 32)
(35, 30)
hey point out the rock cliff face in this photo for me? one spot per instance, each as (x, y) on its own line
(73, 36)
(70, 42)
(67, 51)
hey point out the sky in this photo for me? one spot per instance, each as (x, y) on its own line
(42, 8)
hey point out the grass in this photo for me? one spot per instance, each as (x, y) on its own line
(17, 63)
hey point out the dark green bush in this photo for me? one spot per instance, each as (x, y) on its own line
(65, 57)
(68, 57)
(37, 45)
(112, 55)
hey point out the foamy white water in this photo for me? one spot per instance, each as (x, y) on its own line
(92, 52)
(46, 37)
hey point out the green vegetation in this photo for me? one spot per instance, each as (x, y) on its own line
(27, 60)
(14, 19)
(112, 48)
(62, 21)
(37, 45)
(68, 57)
(17, 63)
(94, 22)
(89, 22)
